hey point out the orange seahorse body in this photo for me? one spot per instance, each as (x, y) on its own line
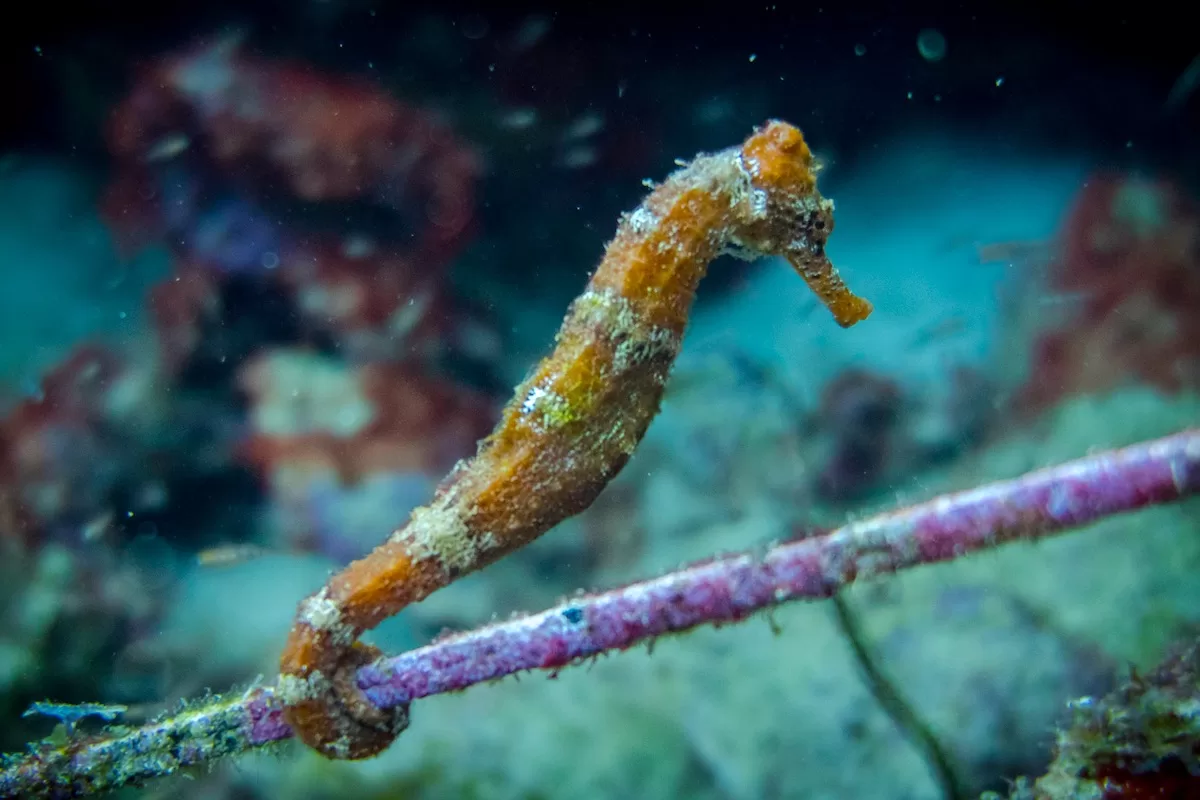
(573, 423)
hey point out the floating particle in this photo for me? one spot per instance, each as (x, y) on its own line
(518, 119)
(228, 555)
(356, 245)
(473, 26)
(97, 527)
(584, 127)
(578, 157)
(753, 57)
(1184, 86)
(931, 44)
(531, 31)
(1000, 81)
(167, 148)
(860, 49)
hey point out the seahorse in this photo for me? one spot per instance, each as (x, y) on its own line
(573, 423)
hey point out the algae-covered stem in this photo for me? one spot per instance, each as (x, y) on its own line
(1030, 507)
(573, 423)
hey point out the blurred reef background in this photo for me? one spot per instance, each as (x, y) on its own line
(267, 270)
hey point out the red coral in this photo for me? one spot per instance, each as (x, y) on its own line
(269, 123)
(309, 410)
(1168, 782)
(378, 305)
(179, 306)
(50, 446)
(342, 447)
(212, 138)
(1129, 264)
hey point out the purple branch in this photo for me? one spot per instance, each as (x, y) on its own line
(726, 589)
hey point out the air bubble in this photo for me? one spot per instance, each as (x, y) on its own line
(931, 44)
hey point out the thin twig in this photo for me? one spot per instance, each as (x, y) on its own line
(726, 589)
(912, 726)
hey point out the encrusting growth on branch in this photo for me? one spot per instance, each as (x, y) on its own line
(572, 424)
